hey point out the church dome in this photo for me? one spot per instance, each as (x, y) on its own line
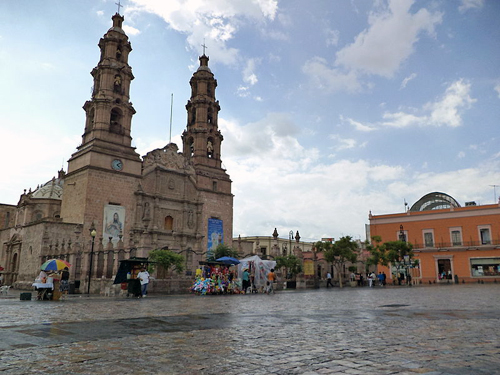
(50, 190)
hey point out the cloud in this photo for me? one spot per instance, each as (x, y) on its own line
(389, 40)
(50, 152)
(332, 37)
(330, 80)
(497, 89)
(443, 112)
(357, 125)
(270, 138)
(217, 21)
(447, 110)
(343, 143)
(378, 50)
(470, 4)
(242, 91)
(129, 30)
(407, 79)
(249, 75)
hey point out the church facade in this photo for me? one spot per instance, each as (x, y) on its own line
(167, 199)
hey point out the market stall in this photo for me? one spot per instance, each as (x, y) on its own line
(47, 282)
(127, 275)
(258, 269)
(216, 277)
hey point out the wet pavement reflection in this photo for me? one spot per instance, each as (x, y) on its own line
(420, 330)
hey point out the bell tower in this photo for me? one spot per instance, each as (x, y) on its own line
(105, 169)
(202, 146)
(109, 112)
(202, 138)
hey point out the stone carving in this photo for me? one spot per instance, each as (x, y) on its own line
(147, 213)
(168, 157)
(190, 219)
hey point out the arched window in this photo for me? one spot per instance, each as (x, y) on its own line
(133, 252)
(210, 115)
(169, 223)
(38, 216)
(191, 146)
(115, 121)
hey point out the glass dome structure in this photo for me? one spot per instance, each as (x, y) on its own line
(434, 201)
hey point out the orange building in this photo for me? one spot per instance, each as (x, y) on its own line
(448, 240)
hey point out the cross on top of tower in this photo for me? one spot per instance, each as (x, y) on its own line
(119, 6)
(204, 46)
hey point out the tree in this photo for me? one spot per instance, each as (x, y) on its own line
(222, 250)
(166, 259)
(339, 253)
(396, 253)
(291, 264)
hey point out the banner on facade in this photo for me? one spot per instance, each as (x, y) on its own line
(308, 267)
(215, 235)
(113, 223)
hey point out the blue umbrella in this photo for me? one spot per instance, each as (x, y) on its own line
(228, 260)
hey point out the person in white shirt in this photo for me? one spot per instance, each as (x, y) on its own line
(143, 277)
(329, 280)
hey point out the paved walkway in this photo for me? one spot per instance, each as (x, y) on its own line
(433, 330)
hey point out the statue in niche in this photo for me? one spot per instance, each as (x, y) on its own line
(190, 219)
(117, 84)
(147, 212)
(210, 149)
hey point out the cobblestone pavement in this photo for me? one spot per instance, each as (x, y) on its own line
(432, 330)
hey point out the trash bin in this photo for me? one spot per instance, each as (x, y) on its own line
(71, 288)
(25, 296)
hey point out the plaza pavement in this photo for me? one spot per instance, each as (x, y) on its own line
(432, 330)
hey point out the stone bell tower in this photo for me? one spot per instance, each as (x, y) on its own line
(105, 169)
(202, 141)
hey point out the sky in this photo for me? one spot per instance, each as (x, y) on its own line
(330, 109)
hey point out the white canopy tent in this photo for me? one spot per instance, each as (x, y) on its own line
(258, 267)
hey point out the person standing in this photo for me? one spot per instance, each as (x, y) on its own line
(380, 279)
(329, 279)
(245, 280)
(271, 278)
(64, 283)
(144, 277)
(371, 279)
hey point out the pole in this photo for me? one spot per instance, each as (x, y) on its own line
(171, 106)
(90, 268)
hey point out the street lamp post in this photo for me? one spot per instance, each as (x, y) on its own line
(406, 261)
(290, 238)
(92, 234)
(315, 260)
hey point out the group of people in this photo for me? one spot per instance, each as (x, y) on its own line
(62, 276)
(371, 277)
(248, 282)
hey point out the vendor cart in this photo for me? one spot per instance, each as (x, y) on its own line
(127, 275)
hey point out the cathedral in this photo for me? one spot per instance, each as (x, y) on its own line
(167, 199)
